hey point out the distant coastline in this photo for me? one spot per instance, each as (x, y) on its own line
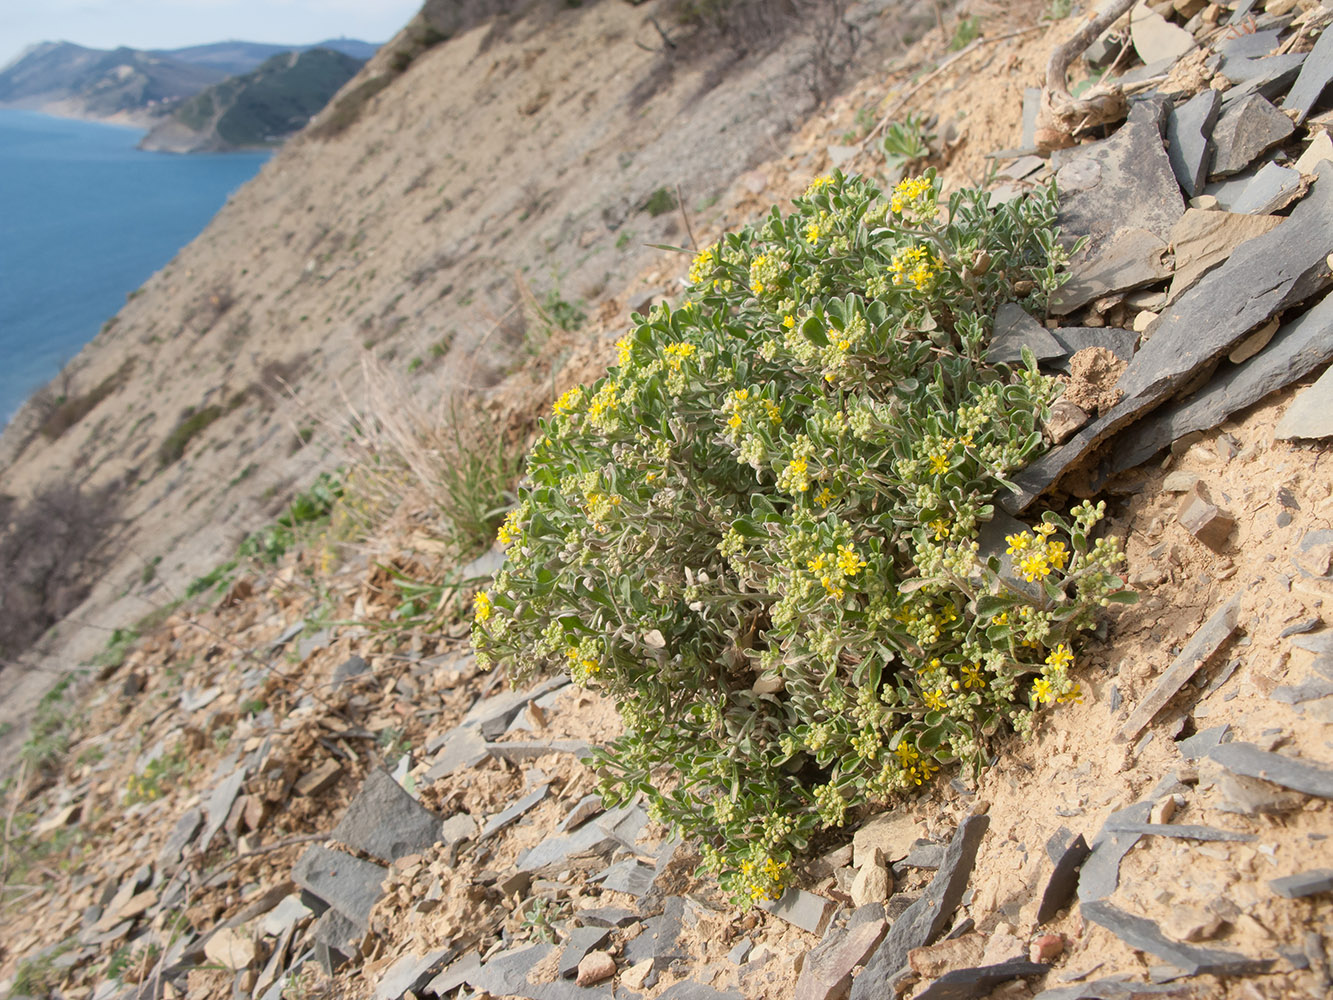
(88, 218)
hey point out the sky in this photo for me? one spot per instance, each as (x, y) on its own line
(171, 24)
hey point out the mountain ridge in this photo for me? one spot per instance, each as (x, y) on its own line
(255, 109)
(135, 86)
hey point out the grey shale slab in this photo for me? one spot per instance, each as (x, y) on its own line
(1297, 348)
(1272, 189)
(1245, 131)
(1126, 183)
(515, 811)
(970, 984)
(1314, 78)
(921, 922)
(385, 822)
(1013, 329)
(1067, 852)
(1185, 831)
(411, 972)
(827, 971)
(1202, 645)
(1100, 873)
(1261, 277)
(1308, 883)
(1188, 146)
(348, 884)
(1249, 761)
(1198, 745)
(1142, 933)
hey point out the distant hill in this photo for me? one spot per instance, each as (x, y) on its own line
(124, 84)
(255, 109)
(233, 57)
(135, 86)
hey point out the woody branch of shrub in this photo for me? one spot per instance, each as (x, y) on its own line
(758, 532)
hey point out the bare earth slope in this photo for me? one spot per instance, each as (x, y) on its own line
(520, 153)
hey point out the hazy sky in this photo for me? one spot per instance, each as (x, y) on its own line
(169, 24)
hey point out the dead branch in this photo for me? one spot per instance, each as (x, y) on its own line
(1061, 114)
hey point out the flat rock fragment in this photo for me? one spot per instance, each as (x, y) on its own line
(1015, 329)
(1316, 72)
(218, 805)
(1247, 129)
(921, 922)
(1155, 38)
(629, 876)
(1107, 989)
(1127, 182)
(1131, 258)
(1204, 239)
(1298, 348)
(1100, 874)
(807, 910)
(411, 973)
(514, 812)
(1189, 148)
(462, 747)
(1264, 275)
(385, 822)
(581, 941)
(826, 973)
(1142, 933)
(1198, 745)
(1067, 852)
(1185, 831)
(1310, 414)
(179, 838)
(455, 975)
(1202, 645)
(1272, 189)
(1309, 883)
(1267, 76)
(1073, 339)
(348, 884)
(969, 984)
(1249, 761)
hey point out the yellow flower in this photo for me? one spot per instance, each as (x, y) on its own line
(848, 561)
(1034, 566)
(935, 700)
(941, 528)
(703, 263)
(1018, 543)
(734, 421)
(788, 321)
(774, 414)
(569, 400)
(813, 232)
(1074, 694)
(816, 184)
(1060, 657)
(907, 754)
(625, 350)
(677, 353)
(510, 531)
(908, 191)
(824, 497)
(939, 464)
(1041, 691)
(972, 676)
(481, 606)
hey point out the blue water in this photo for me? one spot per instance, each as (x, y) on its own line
(85, 218)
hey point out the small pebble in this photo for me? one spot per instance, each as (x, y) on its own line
(596, 966)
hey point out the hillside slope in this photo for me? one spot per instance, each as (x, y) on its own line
(122, 85)
(259, 108)
(449, 187)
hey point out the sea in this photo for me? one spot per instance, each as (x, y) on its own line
(85, 219)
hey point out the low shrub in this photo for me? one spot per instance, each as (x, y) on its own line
(759, 531)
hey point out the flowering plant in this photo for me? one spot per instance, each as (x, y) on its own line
(758, 532)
